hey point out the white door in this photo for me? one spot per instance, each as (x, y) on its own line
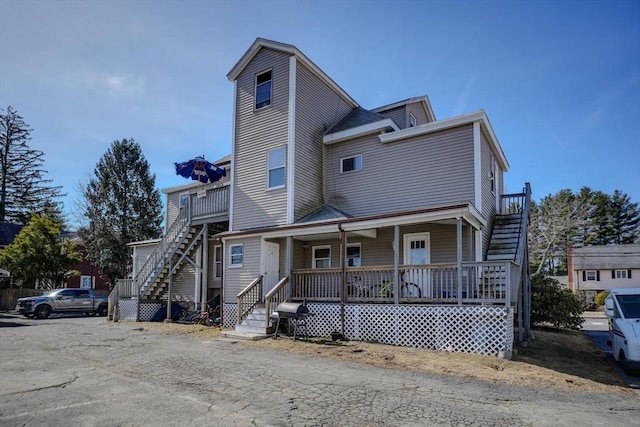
(417, 252)
(270, 265)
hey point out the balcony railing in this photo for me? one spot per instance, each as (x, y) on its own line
(489, 282)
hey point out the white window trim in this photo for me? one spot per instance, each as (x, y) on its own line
(231, 265)
(351, 157)
(255, 90)
(284, 166)
(182, 196)
(595, 275)
(313, 255)
(353, 245)
(412, 118)
(217, 260)
(621, 274)
(93, 281)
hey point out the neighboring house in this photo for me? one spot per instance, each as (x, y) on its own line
(8, 233)
(390, 225)
(594, 269)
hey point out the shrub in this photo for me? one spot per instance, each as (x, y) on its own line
(600, 298)
(555, 305)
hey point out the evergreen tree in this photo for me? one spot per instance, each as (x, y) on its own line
(39, 255)
(614, 219)
(121, 205)
(23, 187)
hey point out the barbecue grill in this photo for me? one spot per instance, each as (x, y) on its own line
(295, 313)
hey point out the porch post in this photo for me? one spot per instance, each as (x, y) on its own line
(396, 261)
(288, 265)
(168, 319)
(205, 268)
(343, 276)
(459, 257)
(198, 284)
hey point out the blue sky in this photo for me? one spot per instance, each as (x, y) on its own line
(559, 80)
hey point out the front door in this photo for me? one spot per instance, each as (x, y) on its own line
(417, 252)
(270, 265)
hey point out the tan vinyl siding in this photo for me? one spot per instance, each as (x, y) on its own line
(318, 108)
(184, 283)
(488, 196)
(141, 254)
(237, 278)
(424, 171)
(398, 115)
(379, 252)
(256, 132)
(418, 112)
(173, 208)
(212, 281)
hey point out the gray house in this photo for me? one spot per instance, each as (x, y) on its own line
(389, 224)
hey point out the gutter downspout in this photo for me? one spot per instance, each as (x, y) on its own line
(343, 275)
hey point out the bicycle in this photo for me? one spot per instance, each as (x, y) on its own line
(209, 317)
(407, 289)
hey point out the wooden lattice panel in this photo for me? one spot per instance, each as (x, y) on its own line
(229, 315)
(148, 310)
(128, 310)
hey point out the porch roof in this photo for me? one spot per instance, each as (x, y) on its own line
(465, 211)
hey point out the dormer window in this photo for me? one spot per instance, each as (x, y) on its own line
(412, 120)
(263, 90)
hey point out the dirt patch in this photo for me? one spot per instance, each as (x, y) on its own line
(564, 360)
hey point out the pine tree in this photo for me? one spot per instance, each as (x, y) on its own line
(23, 187)
(121, 205)
(614, 219)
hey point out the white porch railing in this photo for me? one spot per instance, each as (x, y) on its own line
(489, 282)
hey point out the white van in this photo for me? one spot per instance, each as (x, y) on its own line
(622, 307)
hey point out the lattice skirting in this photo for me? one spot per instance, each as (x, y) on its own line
(229, 315)
(129, 310)
(483, 330)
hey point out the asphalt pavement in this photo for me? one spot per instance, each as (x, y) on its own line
(83, 371)
(596, 327)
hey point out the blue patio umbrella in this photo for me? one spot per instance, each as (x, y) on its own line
(199, 169)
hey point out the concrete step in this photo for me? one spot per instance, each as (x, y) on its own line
(258, 330)
(243, 336)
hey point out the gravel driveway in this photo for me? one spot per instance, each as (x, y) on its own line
(84, 372)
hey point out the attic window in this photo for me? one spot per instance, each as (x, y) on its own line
(412, 120)
(263, 90)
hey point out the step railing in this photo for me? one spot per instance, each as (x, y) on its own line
(274, 297)
(163, 252)
(249, 298)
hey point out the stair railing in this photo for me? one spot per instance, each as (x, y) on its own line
(274, 297)
(249, 298)
(163, 252)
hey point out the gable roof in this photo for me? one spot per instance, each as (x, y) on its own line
(290, 49)
(323, 213)
(606, 257)
(424, 100)
(357, 117)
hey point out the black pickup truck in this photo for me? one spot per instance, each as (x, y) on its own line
(63, 301)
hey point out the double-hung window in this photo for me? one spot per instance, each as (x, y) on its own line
(591, 275)
(276, 163)
(263, 90)
(353, 255)
(322, 256)
(217, 262)
(236, 254)
(350, 164)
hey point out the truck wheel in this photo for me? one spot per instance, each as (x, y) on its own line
(43, 311)
(102, 310)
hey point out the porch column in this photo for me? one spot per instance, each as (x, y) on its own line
(343, 276)
(198, 284)
(288, 264)
(205, 268)
(459, 257)
(168, 319)
(396, 262)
